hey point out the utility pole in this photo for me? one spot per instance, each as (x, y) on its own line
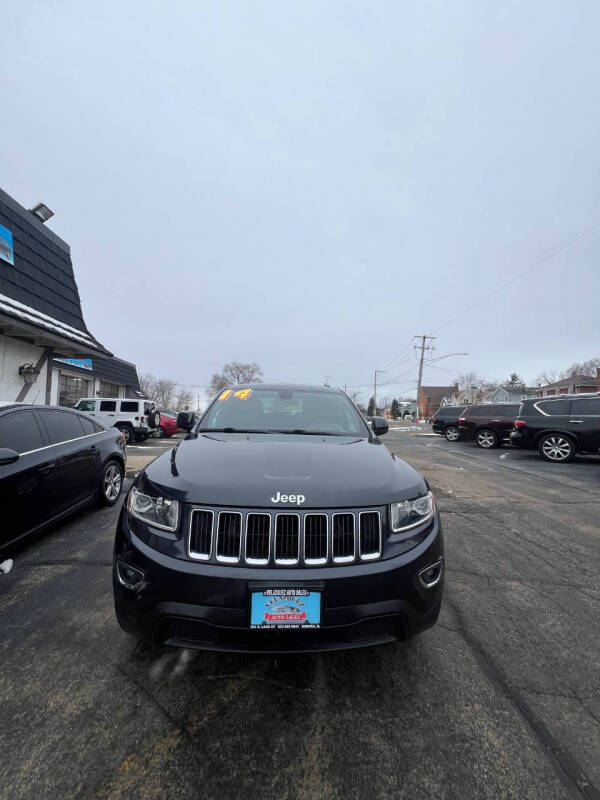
(380, 371)
(423, 347)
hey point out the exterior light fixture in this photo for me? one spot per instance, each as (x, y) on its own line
(29, 373)
(42, 212)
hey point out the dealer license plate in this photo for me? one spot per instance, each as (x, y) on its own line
(285, 608)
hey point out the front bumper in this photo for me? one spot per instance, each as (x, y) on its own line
(207, 606)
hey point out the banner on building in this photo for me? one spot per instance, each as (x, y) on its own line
(6, 245)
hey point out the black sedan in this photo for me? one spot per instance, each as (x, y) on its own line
(280, 523)
(53, 461)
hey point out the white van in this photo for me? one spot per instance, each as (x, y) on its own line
(134, 417)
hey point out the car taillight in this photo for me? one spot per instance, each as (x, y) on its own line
(143, 420)
(520, 423)
(462, 419)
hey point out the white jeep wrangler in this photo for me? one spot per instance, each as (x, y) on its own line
(136, 418)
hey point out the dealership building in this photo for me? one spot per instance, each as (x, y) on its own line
(47, 354)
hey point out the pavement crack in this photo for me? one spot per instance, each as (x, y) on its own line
(565, 765)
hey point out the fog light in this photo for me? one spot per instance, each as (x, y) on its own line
(130, 577)
(431, 576)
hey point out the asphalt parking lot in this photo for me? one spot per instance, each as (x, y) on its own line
(500, 700)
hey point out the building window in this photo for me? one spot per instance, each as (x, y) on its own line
(71, 389)
(108, 389)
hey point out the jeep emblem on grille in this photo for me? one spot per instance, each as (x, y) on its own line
(298, 499)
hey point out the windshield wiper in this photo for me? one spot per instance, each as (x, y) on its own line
(303, 432)
(232, 430)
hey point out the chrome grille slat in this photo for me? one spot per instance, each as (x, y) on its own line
(369, 538)
(343, 538)
(287, 538)
(258, 538)
(229, 536)
(315, 539)
(201, 534)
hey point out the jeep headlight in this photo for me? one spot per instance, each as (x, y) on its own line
(411, 513)
(156, 511)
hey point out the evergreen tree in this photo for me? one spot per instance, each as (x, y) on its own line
(395, 409)
(371, 407)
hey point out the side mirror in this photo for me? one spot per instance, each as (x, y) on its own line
(186, 420)
(8, 456)
(379, 425)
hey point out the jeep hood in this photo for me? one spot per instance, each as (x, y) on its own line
(247, 470)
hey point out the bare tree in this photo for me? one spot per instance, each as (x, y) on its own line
(164, 394)
(546, 376)
(235, 372)
(588, 367)
(183, 398)
(148, 384)
(468, 381)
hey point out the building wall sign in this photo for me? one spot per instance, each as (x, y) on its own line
(6, 245)
(82, 363)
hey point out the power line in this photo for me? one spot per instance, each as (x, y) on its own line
(533, 266)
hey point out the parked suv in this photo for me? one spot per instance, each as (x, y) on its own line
(559, 427)
(266, 530)
(488, 425)
(134, 417)
(445, 421)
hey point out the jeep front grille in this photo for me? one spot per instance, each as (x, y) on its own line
(261, 538)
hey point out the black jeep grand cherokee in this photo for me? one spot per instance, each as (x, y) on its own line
(280, 523)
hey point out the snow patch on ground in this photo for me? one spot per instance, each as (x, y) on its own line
(6, 566)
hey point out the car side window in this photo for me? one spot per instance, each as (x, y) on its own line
(86, 405)
(554, 407)
(108, 405)
(20, 432)
(61, 426)
(88, 426)
(129, 406)
(590, 406)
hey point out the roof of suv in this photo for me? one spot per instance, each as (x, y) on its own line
(552, 398)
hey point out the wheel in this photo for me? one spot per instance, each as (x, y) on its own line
(487, 439)
(111, 483)
(129, 433)
(153, 419)
(557, 447)
(161, 433)
(452, 433)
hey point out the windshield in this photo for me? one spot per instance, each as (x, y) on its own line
(301, 411)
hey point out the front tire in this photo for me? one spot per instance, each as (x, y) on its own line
(111, 483)
(487, 439)
(161, 433)
(557, 447)
(452, 433)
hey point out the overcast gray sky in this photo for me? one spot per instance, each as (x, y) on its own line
(309, 184)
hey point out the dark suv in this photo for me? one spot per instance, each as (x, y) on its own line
(280, 523)
(559, 427)
(489, 425)
(445, 421)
